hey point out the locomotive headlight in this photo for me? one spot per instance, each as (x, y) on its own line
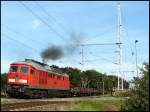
(23, 81)
(11, 80)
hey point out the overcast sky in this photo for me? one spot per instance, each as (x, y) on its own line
(27, 30)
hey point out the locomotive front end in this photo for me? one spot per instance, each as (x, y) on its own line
(17, 79)
(18, 74)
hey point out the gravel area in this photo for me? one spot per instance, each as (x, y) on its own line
(52, 107)
(12, 100)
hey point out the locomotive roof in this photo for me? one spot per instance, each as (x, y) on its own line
(40, 66)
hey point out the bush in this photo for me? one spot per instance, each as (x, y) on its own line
(122, 94)
(139, 95)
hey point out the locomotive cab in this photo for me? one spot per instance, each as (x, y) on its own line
(18, 74)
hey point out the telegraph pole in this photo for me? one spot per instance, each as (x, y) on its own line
(103, 88)
(123, 74)
(122, 80)
(136, 58)
(82, 56)
(119, 45)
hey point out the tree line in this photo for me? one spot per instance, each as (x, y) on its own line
(91, 79)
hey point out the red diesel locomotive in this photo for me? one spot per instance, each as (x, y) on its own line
(33, 79)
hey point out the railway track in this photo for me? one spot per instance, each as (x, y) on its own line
(27, 105)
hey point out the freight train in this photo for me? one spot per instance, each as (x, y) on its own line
(33, 79)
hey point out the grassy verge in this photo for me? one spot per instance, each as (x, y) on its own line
(105, 105)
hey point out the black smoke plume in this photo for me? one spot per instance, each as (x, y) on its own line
(57, 52)
(53, 53)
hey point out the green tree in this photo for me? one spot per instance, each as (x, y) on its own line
(90, 78)
(139, 95)
(93, 77)
(3, 81)
(74, 76)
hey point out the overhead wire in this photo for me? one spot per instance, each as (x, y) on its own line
(43, 21)
(106, 31)
(50, 16)
(32, 13)
(95, 44)
(22, 35)
(96, 67)
(127, 34)
(102, 58)
(53, 18)
(48, 25)
(102, 33)
(128, 37)
(21, 43)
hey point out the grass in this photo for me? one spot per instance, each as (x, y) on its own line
(104, 105)
(106, 95)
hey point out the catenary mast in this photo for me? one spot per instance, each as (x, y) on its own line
(119, 46)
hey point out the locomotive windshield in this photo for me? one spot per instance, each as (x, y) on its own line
(13, 68)
(24, 69)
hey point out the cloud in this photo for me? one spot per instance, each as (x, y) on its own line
(36, 23)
